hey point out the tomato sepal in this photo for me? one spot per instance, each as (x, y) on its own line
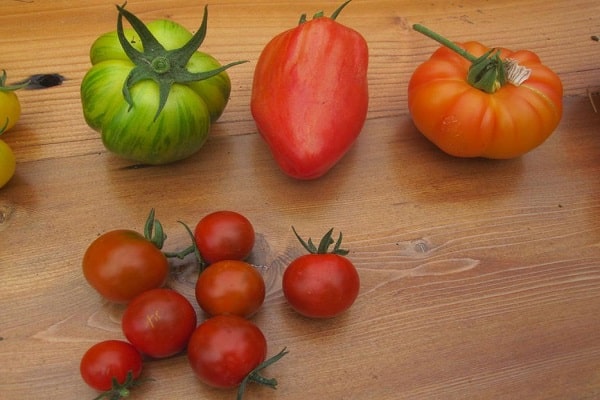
(120, 391)
(487, 72)
(164, 67)
(256, 377)
(321, 14)
(324, 244)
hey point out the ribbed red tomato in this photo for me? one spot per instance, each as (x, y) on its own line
(310, 94)
(466, 101)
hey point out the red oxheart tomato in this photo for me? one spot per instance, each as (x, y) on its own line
(230, 287)
(310, 94)
(108, 360)
(224, 235)
(469, 106)
(159, 322)
(321, 284)
(121, 264)
(224, 349)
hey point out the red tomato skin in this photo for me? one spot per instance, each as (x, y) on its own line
(224, 235)
(464, 121)
(121, 264)
(108, 359)
(159, 322)
(224, 349)
(321, 285)
(310, 95)
(230, 287)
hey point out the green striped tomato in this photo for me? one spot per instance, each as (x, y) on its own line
(150, 93)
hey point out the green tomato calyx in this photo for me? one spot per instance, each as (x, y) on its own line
(118, 390)
(489, 72)
(324, 244)
(10, 88)
(255, 376)
(165, 67)
(321, 14)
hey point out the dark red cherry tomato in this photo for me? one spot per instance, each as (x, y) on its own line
(224, 349)
(321, 284)
(159, 322)
(108, 361)
(121, 264)
(230, 287)
(224, 235)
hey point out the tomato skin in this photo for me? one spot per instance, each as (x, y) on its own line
(466, 122)
(107, 360)
(180, 129)
(8, 163)
(310, 95)
(321, 285)
(224, 349)
(230, 287)
(224, 235)
(10, 109)
(159, 322)
(121, 264)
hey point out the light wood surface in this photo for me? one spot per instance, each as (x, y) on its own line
(479, 279)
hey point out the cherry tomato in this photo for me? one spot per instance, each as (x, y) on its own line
(230, 287)
(321, 284)
(8, 163)
(107, 360)
(121, 264)
(159, 322)
(223, 350)
(224, 235)
(10, 107)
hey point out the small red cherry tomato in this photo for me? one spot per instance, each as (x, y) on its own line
(159, 322)
(224, 235)
(121, 264)
(108, 360)
(224, 349)
(321, 284)
(230, 287)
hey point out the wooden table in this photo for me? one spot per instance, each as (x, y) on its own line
(479, 279)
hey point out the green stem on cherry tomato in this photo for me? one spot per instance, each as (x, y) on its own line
(321, 14)
(488, 72)
(120, 391)
(165, 67)
(153, 231)
(324, 244)
(193, 248)
(256, 377)
(4, 127)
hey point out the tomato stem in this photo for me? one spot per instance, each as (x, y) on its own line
(488, 72)
(10, 88)
(153, 230)
(255, 376)
(321, 14)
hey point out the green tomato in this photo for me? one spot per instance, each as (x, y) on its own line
(150, 93)
(8, 163)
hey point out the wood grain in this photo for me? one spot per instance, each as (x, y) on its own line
(479, 279)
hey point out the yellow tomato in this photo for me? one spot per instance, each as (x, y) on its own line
(8, 163)
(10, 109)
